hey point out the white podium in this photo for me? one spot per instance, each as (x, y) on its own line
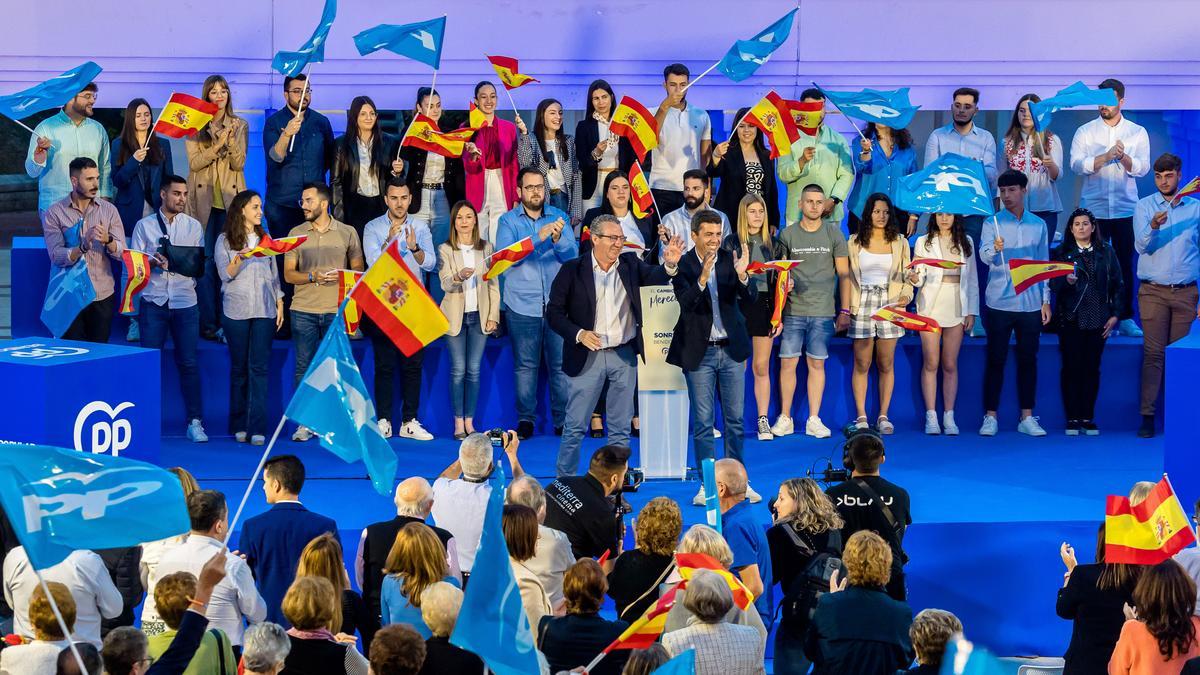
(662, 391)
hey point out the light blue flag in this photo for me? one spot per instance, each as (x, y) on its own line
(70, 290)
(965, 658)
(712, 504)
(332, 401)
(1073, 96)
(420, 41)
(73, 235)
(949, 184)
(745, 56)
(60, 500)
(890, 108)
(312, 51)
(492, 622)
(684, 664)
(53, 93)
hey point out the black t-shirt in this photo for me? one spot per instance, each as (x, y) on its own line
(860, 513)
(577, 507)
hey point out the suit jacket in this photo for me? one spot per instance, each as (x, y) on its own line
(272, 543)
(414, 175)
(695, 322)
(134, 182)
(587, 135)
(454, 305)
(572, 305)
(500, 138)
(343, 173)
(210, 164)
(732, 174)
(645, 225)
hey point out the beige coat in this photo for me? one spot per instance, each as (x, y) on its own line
(533, 594)
(899, 290)
(210, 162)
(450, 261)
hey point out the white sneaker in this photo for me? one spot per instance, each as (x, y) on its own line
(385, 428)
(302, 434)
(258, 439)
(813, 427)
(764, 429)
(413, 429)
(751, 495)
(861, 423)
(931, 423)
(698, 500)
(948, 424)
(240, 437)
(977, 330)
(1030, 426)
(1129, 329)
(989, 426)
(716, 432)
(783, 426)
(195, 432)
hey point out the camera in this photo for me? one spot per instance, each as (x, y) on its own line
(832, 475)
(633, 480)
(497, 437)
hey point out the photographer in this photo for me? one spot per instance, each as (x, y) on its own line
(460, 493)
(585, 509)
(868, 502)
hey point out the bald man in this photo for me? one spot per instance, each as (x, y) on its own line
(553, 554)
(745, 530)
(414, 500)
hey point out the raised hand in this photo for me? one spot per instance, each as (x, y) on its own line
(741, 261)
(707, 268)
(674, 251)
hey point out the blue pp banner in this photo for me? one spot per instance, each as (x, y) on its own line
(890, 108)
(1074, 96)
(712, 506)
(53, 93)
(949, 184)
(312, 51)
(420, 41)
(745, 56)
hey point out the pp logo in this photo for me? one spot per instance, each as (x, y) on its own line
(40, 351)
(91, 504)
(942, 182)
(106, 434)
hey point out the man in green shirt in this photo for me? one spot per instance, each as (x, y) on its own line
(822, 159)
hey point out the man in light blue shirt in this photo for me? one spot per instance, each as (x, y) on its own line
(63, 137)
(169, 300)
(416, 249)
(1165, 236)
(525, 291)
(1013, 233)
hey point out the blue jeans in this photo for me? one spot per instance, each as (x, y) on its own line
(184, 326)
(435, 211)
(249, 360)
(616, 367)
(466, 352)
(530, 337)
(560, 201)
(307, 332)
(208, 287)
(717, 373)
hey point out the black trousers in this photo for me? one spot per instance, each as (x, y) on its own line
(94, 323)
(1000, 325)
(973, 225)
(1080, 376)
(280, 220)
(1119, 233)
(389, 359)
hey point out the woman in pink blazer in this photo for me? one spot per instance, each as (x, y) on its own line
(490, 163)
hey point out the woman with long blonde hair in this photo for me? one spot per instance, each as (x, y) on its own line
(322, 557)
(416, 561)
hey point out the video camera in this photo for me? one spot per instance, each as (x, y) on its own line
(831, 475)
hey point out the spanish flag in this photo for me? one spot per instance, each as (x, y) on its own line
(907, 320)
(808, 115)
(774, 118)
(780, 284)
(268, 247)
(475, 118)
(690, 562)
(399, 305)
(935, 262)
(1148, 533)
(645, 631)
(508, 256)
(137, 266)
(423, 133)
(639, 191)
(634, 122)
(508, 72)
(352, 316)
(1026, 273)
(1192, 187)
(184, 115)
(585, 234)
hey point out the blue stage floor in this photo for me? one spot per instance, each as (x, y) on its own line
(988, 514)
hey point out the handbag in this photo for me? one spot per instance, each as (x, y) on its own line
(186, 261)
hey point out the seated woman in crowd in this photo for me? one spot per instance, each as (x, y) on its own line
(308, 606)
(322, 557)
(172, 596)
(417, 561)
(1161, 633)
(722, 648)
(930, 633)
(574, 639)
(40, 655)
(265, 648)
(520, 534)
(639, 573)
(440, 604)
(704, 539)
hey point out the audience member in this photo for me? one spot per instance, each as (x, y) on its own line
(490, 165)
(308, 606)
(884, 157)
(746, 534)
(520, 534)
(584, 507)
(272, 541)
(83, 573)
(440, 604)
(822, 159)
(553, 554)
(172, 596)
(646, 661)
(153, 551)
(721, 647)
(678, 222)
(1038, 155)
(617, 201)
(1189, 558)
(931, 631)
(600, 151)
(397, 650)
(364, 160)
(123, 565)
(323, 558)
(1160, 636)
(265, 649)
(415, 562)
(743, 165)
(62, 138)
(1092, 598)
(639, 573)
(460, 493)
(40, 656)
(684, 140)
(704, 539)
(570, 640)
(551, 151)
(88, 653)
(856, 627)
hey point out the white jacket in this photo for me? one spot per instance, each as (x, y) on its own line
(929, 279)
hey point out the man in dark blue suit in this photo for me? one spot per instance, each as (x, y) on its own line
(272, 541)
(596, 306)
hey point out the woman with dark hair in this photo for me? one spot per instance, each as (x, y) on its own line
(363, 161)
(571, 640)
(1038, 155)
(1092, 598)
(1087, 305)
(884, 157)
(436, 181)
(1161, 636)
(600, 151)
(520, 527)
(252, 310)
(950, 297)
(745, 167)
(618, 201)
(552, 152)
(490, 162)
(216, 157)
(878, 262)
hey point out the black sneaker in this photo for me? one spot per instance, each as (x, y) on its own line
(1147, 428)
(524, 429)
(1073, 427)
(1089, 428)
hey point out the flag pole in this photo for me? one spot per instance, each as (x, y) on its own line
(691, 82)
(23, 126)
(62, 624)
(150, 131)
(843, 112)
(424, 112)
(510, 100)
(253, 479)
(599, 657)
(299, 110)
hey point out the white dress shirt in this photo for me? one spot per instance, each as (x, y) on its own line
(614, 317)
(1110, 192)
(165, 287)
(718, 326)
(630, 228)
(83, 573)
(233, 599)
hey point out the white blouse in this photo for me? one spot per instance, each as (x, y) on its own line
(470, 258)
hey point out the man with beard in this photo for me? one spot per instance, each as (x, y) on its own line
(313, 268)
(678, 223)
(63, 137)
(1111, 153)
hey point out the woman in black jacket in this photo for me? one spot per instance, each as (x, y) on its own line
(600, 152)
(618, 201)
(744, 166)
(1093, 598)
(572, 640)
(1088, 302)
(364, 159)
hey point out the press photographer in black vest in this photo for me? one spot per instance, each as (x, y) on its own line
(868, 502)
(583, 507)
